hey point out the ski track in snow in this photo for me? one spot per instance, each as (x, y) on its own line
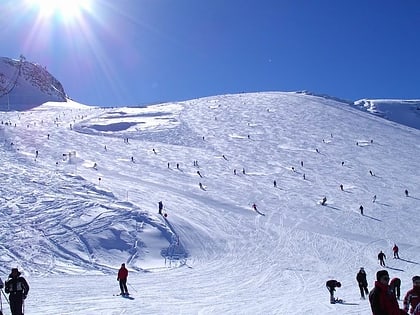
(69, 225)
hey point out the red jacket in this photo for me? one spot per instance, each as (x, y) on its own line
(383, 301)
(122, 273)
(412, 298)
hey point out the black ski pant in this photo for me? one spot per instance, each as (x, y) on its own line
(123, 286)
(16, 301)
(363, 290)
(331, 290)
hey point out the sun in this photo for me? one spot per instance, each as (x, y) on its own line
(64, 9)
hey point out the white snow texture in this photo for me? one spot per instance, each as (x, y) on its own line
(80, 188)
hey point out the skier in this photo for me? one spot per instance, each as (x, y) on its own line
(160, 204)
(381, 258)
(331, 285)
(374, 199)
(381, 301)
(254, 206)
(412, 297)
(361, 280)
(395, 249)
(122, 278)
(275, 183)
(324, 201)
(406, 192)
(395, 287)
(18, 289)
(341, 187)
(361, 209)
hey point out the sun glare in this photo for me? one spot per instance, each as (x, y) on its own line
(65, 9)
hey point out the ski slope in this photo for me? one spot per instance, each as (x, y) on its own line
(88, 202)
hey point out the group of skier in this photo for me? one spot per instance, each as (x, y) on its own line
(384, 295)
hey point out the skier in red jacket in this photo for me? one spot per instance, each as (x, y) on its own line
(382, 300)
(412, 297)
(122, 278)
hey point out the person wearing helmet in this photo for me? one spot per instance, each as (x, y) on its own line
(412, 297)
(331, 285)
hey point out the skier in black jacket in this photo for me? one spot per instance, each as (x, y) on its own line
(331, 285)
(18, 289)
(363, 285)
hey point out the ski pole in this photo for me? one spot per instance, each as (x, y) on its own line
(132, 287)
(7, 300)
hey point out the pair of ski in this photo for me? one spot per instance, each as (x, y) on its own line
(126, 295)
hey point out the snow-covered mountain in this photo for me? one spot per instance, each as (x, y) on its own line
(25, 85)
(81, 186)
(406, 112)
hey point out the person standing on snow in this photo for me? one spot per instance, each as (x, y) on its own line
(331, 285)
(122, 278)
(363, 285)
(412, 297)
(381, 258)
(160, 205)
(382, 300)
(17, 288)
(395, 286)
(395, 249)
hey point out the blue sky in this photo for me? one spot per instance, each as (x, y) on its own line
(130, 52)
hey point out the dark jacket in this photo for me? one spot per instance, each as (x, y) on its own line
(361, 278)
(16, 285)
(332, 284)
(383, 301)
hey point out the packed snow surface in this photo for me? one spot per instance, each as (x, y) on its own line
(81, 186)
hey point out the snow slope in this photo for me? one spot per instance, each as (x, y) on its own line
(88, 202)
(406, 112)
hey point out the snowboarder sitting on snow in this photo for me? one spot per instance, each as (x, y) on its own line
(122, 278)
(361, 280)
(18, 289)
(331, 285)
(382, 300)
